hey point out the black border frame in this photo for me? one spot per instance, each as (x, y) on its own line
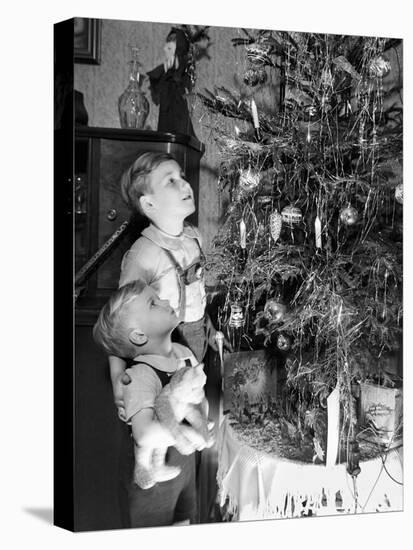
(63, 353)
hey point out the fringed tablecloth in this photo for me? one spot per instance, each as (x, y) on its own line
(257, 485)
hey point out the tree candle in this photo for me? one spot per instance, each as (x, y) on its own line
(317, 230)
(242, 234)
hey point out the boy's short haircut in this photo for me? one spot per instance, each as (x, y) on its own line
(109, 330)
(135, 181)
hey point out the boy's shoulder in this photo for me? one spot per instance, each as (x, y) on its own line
(142, 376)
(160, 362)
(145, 249)
(142, 260)
(144, 242)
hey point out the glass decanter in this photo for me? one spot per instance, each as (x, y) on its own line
(133, 105)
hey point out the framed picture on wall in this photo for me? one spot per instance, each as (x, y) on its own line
(87, 40)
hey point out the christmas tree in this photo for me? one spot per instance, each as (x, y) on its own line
(309, 254)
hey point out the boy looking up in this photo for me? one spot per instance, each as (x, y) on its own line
(137, 324)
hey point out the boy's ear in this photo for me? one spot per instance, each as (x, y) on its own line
(146, 203)
(137, 337)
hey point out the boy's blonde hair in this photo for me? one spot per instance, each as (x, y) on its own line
(135, 182)
(109, 330)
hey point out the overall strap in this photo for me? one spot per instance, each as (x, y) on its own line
(163, 376)
(180, 275)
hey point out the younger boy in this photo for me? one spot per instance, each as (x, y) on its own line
(137, 324)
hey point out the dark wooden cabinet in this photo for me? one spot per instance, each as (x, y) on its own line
(101, 156)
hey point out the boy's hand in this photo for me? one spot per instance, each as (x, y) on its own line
(118, 385)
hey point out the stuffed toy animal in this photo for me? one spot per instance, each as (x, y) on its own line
(183, 398)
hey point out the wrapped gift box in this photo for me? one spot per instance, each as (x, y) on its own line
(381, 414)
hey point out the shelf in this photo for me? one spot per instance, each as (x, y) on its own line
(129, 134)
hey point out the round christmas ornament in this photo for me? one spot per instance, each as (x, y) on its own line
(275, 225)
(283, 342)
(257, 54)
(291, 215)
(274, 310)
(236, 319)
(349, 215)
(310, 110)
(248, 180)
(255, 75)
(379, 67)
(398, 193)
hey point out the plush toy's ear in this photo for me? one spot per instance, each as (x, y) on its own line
(137, 337)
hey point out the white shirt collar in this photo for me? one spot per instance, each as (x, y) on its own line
(164, 240)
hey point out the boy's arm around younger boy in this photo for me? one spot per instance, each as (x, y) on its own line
(119, 379)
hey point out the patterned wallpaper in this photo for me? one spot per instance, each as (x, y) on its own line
(103, 84)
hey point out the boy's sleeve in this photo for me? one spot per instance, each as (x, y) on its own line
(142, 391)
(140, 262)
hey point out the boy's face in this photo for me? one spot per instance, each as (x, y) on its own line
(150, 315)
(171, 194)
